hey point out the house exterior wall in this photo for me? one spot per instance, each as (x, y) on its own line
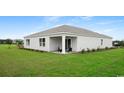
(34, 43)
(73, 42)
(78, 43)
(92, 43)
(55, 42)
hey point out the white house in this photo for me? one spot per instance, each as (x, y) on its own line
(66, 38)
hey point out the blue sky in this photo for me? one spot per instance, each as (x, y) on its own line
(16, 27)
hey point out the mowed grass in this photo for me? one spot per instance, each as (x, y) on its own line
(19, 62)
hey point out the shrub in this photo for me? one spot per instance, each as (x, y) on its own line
(88, 50)
(106, 48)
(93, 50)
(113, 47)
(82, 51)
(20, 46)
(19, 43)
(98, 49)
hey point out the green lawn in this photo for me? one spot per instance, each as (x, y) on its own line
(19, 62)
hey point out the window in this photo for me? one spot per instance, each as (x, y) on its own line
(27, 42)
(101, 41)
(42, 42)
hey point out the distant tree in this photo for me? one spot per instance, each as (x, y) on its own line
(9, 42)
(122, 43)
(19, 43)
(0, 41)
(118, 43)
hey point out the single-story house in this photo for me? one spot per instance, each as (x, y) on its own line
(66, 38)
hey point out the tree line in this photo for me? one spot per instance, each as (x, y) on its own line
(10, 41)
(118, 43)
(18, 42)
(115, 43)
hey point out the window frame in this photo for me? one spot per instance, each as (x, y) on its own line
(42, 42)
(27, 42)
(101, 42)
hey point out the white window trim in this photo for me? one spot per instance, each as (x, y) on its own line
(41, 43)
(27, 42)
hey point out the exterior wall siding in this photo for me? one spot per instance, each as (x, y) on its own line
(34, 44)
(74, 44)
(55, 42)
(92, 43)
(78, 43)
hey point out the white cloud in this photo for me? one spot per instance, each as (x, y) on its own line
(108, 30)
(110, 22)
(87, 18)
(12, 36)
(113, 32)
(48, 22)
(52, 18)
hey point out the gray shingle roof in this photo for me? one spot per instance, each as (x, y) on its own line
(69, 29)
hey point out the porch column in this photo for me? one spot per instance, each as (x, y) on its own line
(63, 44)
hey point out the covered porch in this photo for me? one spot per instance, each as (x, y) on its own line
(63, 44)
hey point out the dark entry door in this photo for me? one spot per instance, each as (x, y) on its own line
(67, 44)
